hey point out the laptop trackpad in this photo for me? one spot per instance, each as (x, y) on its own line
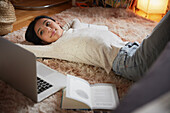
(51, 75)
(43, 70)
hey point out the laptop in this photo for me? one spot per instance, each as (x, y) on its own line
(19, 68)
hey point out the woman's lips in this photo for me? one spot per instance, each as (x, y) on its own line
(52, 34)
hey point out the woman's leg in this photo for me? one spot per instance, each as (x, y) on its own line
(134, 60)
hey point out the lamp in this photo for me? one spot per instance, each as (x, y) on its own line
(153, 6)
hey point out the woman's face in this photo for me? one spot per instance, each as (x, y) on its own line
(48, 30)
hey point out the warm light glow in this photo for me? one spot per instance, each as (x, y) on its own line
(153, 6)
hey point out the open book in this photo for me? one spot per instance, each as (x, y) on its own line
(79, 94)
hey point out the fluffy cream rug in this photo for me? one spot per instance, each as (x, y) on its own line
(125, 24)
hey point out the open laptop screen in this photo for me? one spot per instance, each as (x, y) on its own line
(18, 68)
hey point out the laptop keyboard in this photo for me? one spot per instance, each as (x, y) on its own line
(42, 85)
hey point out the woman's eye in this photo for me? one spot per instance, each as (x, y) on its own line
(48, 23)
(41, 32)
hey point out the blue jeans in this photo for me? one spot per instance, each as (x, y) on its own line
(134, 59)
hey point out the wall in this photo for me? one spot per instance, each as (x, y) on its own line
(169, 5)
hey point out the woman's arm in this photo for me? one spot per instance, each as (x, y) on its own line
(76, 24)
(39, 51)
(68, 25)
(79, 25)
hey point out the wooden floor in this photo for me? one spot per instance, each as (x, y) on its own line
(24, 17)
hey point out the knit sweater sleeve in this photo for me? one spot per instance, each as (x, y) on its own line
(76, 24)
(67, 26)
(39, 51)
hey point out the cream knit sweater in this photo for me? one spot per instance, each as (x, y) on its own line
(84, 43)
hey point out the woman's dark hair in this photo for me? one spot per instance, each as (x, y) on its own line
(30, 34)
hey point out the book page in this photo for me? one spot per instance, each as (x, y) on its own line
(104, 96)
(78, 89)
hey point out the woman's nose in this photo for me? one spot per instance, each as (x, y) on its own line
(48, 28)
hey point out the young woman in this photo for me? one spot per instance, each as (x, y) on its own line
(95, 45)
(38, 30)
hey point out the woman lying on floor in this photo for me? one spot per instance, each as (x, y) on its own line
(96, 45)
